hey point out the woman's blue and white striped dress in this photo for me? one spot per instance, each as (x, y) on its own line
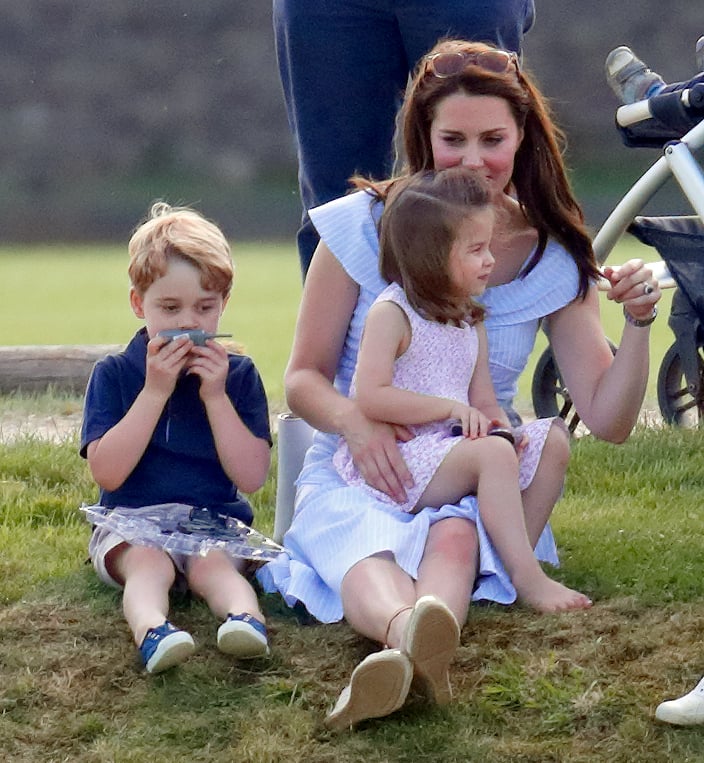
(334, 525)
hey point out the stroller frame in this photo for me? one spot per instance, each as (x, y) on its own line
(679, 241)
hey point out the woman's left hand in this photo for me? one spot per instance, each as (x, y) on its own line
(633, 286)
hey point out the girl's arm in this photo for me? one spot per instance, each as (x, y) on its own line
(481, 388)
(607, 390)
(327, 304)
(387, 335)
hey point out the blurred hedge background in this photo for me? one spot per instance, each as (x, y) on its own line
(107, 106)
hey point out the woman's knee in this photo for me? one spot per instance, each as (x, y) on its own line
(454, 539)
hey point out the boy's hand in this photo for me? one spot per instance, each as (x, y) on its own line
(165, 361)
(211, 364)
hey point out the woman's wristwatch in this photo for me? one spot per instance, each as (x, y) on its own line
(637, 321)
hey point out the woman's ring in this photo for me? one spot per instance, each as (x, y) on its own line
(647, 288)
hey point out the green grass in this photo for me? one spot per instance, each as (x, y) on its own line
(575, 687)
(79, 295)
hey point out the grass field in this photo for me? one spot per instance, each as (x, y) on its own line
(79, 295)
(574, 688)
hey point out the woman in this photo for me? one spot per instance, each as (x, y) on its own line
(405, 580)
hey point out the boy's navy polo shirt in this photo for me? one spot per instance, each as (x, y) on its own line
(180, 464)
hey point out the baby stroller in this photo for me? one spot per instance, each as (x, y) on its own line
(674, 123)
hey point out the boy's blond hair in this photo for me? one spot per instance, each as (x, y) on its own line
(183, 233)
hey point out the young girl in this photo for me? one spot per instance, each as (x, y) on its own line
(176, 422)
(423, 363)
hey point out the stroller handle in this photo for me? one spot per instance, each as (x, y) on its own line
(669, 108)
(661, 273)
(640, 193)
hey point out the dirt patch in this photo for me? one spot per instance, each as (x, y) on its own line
(58, 427)
(54, 427)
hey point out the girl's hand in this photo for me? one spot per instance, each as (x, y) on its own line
(211, 364)
(474, 422)
(633, 285)
(374, 449)
(522, 441)
(165, 361)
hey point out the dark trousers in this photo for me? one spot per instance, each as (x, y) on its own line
(344, 65)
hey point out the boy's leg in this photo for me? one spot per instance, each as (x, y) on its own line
(147, 575)
(217, 579)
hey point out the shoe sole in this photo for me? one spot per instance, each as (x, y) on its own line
(173, 650)
(431, 640)
(378, 687)
(240, 640)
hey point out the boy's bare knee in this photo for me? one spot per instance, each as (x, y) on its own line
(138, 560)
(200, 570)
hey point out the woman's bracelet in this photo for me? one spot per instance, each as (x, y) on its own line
(637, 321)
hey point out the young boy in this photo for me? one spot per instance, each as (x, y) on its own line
(170, 425)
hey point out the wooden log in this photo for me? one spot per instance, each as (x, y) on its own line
(64, 367)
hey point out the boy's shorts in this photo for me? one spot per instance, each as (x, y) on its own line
(103, 541)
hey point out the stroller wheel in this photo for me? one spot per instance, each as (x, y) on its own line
(679, 404)
(549, 394)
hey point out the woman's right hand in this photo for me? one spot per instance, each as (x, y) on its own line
(375, 452)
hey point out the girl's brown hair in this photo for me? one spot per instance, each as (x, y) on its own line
(422, 216)
(539, 177)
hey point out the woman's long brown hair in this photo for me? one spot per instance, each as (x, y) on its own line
(539, 178)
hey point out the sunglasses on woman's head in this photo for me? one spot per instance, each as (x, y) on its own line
(448, 64)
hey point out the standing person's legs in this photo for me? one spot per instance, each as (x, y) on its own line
(503, 22)
(343, 72)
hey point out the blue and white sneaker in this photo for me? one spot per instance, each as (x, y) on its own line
(243, 636)
(164, 647)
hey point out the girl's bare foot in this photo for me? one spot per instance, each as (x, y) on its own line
(547, 595)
